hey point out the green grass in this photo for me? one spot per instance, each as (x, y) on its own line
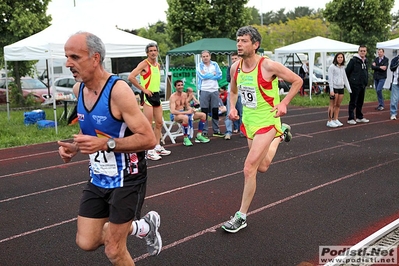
(323, 99)
(14, 132)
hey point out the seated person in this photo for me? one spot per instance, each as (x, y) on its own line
(223, 95)
(181, 112)
(192, 99)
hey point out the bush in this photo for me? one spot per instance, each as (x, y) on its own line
(18, 100)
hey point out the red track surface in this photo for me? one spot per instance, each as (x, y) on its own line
(325, 187)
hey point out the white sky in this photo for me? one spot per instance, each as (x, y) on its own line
(134, 14)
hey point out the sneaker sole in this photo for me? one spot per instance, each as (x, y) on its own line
(287, 131)
(164, 154)
(288, 137)
(187, 145)
(234, 230)
(154, 159)
(198, 141)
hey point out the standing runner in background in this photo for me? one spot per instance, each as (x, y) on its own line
(150, 79)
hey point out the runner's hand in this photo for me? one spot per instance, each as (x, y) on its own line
(280, 109)
(67, 150)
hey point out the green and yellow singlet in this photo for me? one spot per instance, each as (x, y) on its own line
(152, 79)
(258, 98)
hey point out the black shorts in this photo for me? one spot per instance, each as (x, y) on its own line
(121, 205)
(339, 91)
(154, 100)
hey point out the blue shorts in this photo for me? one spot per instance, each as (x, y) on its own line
(172, 117)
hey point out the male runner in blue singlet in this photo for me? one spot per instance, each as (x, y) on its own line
(115, 134)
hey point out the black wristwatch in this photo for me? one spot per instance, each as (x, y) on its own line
(111, 144)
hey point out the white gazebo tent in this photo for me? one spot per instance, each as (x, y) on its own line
(316, 45)
(49, 44)
(391, 44)
(391, 48)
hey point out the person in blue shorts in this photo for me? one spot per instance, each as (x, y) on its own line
(182, 112)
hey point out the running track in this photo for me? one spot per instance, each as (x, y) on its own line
(325, 187)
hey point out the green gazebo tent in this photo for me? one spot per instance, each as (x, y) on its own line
(213, 45)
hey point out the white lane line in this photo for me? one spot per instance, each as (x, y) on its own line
(36, 230)
(27, 155)
(213, 228)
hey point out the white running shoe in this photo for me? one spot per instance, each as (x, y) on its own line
(153, 238)
(338, 122)
(162, 151)
(363, 120)
(393, 117)
(153, 155)
(351, 122)
(331, 124)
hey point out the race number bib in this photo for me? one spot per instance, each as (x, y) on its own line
(248, 96)
(104, 163)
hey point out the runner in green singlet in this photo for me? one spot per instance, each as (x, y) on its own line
(255, 78)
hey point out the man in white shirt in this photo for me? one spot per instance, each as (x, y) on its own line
(208, 73)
